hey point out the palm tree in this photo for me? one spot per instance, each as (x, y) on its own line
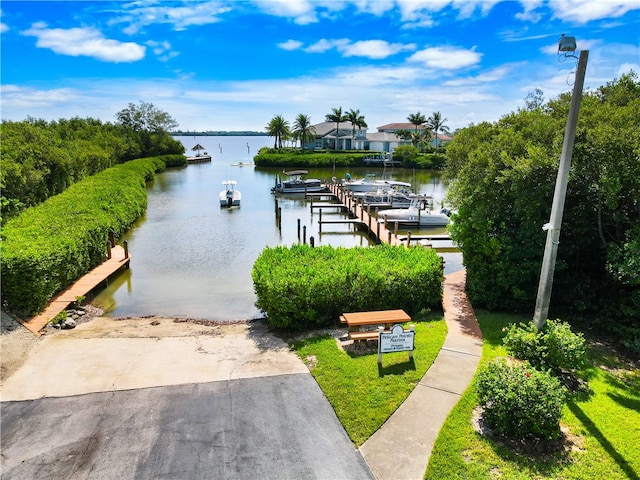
(356, 120)
(303, 130)
(417, 119)
(278, 128)
(436, 123)
(336, 116)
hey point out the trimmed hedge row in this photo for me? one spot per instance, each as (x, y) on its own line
(298, 159)
(300, 287)
(49, 246)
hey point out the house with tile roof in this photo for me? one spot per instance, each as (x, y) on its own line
(384, 140)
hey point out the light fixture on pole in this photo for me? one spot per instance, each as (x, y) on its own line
(567, 45)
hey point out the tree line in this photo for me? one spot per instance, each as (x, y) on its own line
(503, 176)
(41, 159)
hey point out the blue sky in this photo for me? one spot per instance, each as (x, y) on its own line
(233, 65)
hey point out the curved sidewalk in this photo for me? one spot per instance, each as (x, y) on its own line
(401, 448)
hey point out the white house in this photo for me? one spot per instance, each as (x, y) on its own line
(384, 140)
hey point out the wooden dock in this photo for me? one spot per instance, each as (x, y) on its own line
(360, 215)
(200, 159)
(119, 257)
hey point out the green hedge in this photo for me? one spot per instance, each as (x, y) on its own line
(300, 287)
(175, 160)
(289, 159)
(47, 247)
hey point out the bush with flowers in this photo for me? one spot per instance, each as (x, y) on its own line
(519, 400)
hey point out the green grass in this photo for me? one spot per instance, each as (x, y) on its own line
(362, 394)
(603, 427)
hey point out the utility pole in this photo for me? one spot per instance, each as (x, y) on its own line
(557, 208)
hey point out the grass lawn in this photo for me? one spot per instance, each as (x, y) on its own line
(363, 395)
(602, 428)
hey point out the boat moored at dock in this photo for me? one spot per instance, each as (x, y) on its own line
(416, 214)
(297, 183)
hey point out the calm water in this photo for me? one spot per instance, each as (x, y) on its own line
(191, 258)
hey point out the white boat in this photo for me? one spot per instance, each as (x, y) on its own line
(296, 183)
(230, 197)
(370, 184)
(416, 214)
(387, 199)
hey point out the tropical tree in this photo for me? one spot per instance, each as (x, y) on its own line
(146, 117)
(337, 117)
(436, 123)
(303, 130)
(417, 119)
(356, 120)
(417, 138)
(278, 128)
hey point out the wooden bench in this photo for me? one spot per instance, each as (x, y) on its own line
(356, 321)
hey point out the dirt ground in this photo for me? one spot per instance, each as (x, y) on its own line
(15, 344)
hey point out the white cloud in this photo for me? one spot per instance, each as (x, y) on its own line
(323, 45)
(290, 45)
(139, 14)
(15, 97)
(88, 42)
(583, 11)
(4, 27)
(447, 58)
(374, 49)
(303, 12)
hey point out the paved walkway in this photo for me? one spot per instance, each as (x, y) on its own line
(401, 448)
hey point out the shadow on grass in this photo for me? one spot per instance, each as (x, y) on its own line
(606, 445)
(397, 368)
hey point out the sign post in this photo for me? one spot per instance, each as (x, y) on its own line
(396, 340)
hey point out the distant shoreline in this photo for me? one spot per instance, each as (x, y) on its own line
(222, 133)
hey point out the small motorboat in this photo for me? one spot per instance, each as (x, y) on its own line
(230, 197)
(297, 183)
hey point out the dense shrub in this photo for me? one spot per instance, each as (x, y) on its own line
(269, 157)
(300, 287)
(553, 347)
(519, 400)
(47, 247)
(174, 160)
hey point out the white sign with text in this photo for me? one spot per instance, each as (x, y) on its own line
(396, 340)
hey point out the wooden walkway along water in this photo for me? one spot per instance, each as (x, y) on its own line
(118, 258)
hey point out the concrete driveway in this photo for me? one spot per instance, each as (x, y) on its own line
(151, 398)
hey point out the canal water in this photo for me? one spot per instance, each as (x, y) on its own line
(190, 258)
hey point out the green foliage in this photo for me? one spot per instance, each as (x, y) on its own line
(49, 246)
(519, 400)
(175, 160)
(553, 347)
(300, 287)
(267, 157)
(363, 395)
(602, 427)
(503, 182)
(41, 159)
(406, 154)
